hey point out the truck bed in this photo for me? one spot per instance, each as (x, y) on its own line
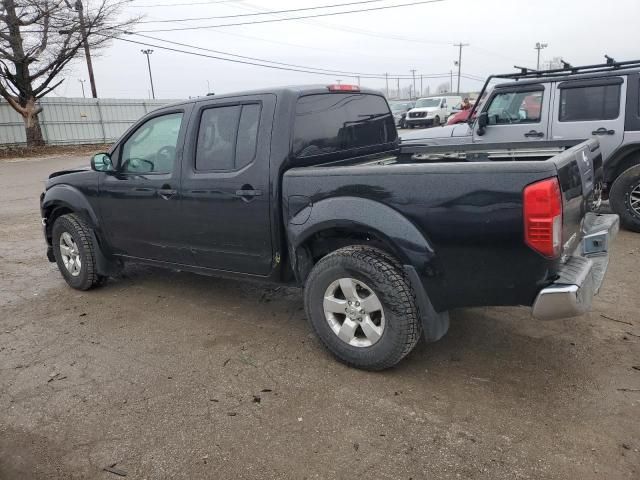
(471, 213)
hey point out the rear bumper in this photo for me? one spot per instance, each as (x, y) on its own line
(582, 274)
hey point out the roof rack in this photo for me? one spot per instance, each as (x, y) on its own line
(567, 69)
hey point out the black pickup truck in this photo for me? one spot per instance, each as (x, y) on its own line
(309, 186)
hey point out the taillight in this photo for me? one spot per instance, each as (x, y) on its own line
(343, 88)
(543, 217)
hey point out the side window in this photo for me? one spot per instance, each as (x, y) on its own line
(589, 103)
(152, 148)
(516, 107)
(227, 137)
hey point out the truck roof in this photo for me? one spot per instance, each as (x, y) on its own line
(291, 90)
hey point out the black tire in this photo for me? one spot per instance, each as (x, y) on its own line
(384, 275)
(436, 121)
(620, 197)
(82, 235)
(410, 125)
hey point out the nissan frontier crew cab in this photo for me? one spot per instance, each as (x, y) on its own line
(308, 186)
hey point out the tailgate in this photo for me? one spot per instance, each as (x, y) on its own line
(580, 174)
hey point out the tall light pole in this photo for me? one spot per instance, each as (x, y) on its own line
(386, 80)
(83, 31)
(148, 52)
(398, 88)
(460, 47)
(82, 84)
(413, 74)
(421, 89)
(539, 46)
(338, 81)
(450, 80)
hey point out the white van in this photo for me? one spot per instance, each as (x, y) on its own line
(432, 111)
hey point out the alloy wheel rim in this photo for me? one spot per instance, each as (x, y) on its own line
(70, 254)
(354, 312)
(634, 200)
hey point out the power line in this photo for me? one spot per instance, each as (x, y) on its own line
(185, 4)
(271, 12)
(271, 20)
(305, 67)
(245, 62)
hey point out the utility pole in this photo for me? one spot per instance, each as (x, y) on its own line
(148, 52)
(83, 31)
(358, 77)
(398, 88)
(421, 89)
(386, 81)
(413, 74)
(460, 47)
(82, 84)
(451, 80)
(338, 81)
(539, 46)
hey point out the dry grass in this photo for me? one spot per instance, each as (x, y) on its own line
(49, 150)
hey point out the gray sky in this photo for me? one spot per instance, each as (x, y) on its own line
(501, 33)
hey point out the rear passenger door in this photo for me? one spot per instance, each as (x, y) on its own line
(593, 107)
(225, 184)
(516, 114)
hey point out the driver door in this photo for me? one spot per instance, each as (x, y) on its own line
(518, 114)
(140, 201)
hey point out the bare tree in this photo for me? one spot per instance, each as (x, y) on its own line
(38, 39)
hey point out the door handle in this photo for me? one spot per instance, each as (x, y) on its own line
(167, 193)
(533, 133)
(248, 193)
(603, 131)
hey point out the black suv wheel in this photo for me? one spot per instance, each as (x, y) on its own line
(74, 251)
(625, 198)
(362, 307)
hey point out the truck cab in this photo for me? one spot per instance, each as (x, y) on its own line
(557, 109)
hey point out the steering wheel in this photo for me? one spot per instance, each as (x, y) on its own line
(134, 164)
(506, 114)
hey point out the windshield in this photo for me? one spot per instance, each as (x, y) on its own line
(400, 107)
(428, 102)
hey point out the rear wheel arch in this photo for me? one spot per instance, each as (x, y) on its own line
(342, 221)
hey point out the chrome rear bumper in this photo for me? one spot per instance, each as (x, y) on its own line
(581, 276)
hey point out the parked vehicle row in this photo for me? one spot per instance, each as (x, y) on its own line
(310, 186)
(431, 111)
(399, 110)
(557, 109)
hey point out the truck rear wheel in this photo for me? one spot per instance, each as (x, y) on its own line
(75, 253)
(625, 198)
(362, 307)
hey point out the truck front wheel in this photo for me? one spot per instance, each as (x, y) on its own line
(74, 251)
(362, 307)
(625, 198)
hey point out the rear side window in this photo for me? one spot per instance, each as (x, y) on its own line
(600, 102)
(227, 137)
(336, 122)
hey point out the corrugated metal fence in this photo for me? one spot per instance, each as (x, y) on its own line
(77, 120)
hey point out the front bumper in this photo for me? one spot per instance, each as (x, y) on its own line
(582, 274)
(420, 121)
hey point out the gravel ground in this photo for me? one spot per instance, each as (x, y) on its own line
(172, 375)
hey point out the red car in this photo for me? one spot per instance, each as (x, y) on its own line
(460, 117)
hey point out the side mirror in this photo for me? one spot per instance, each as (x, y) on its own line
(101, 162)
(483, 121)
